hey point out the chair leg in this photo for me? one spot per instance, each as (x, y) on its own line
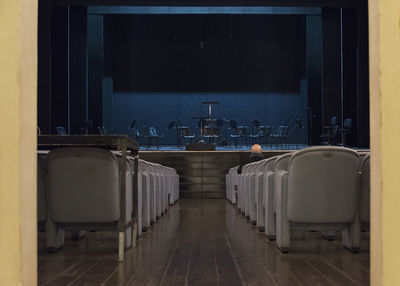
(54, 236)
(351, 236)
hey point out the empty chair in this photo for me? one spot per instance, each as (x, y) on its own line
(281, 169)
(61, 130)
(238, 132)
(144, 186)
(42, 190)
(365, 190)
(352, 236)
(268, 198)
(330, 131)
(347, 124)
(319, 192)
(280, 138)
(152, 136)
(213, 133)
(264, 133)
(258, 187)
(84, 193)
(138, 197)
(186, 134)
(254, 131)
(230, 185)
(245, 189)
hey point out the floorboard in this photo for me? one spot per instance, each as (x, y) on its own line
(204, 242)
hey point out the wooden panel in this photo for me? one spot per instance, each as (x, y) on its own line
(202, 174)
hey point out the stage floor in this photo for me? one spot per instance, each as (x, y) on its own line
(204, 242)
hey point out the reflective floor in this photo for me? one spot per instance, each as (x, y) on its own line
(204, 242)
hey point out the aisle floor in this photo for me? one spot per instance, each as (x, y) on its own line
(204, 242)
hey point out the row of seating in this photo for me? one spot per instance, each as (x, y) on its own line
(317, 188)
(79, 190)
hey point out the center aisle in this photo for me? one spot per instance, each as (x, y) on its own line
(207, 242)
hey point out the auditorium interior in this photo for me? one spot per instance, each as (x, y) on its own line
(140, 136)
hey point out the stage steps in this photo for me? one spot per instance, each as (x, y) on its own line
(201, 173)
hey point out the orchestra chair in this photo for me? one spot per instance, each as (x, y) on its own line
(61, 130)
(152, 136)
(186, 135)
(238, 132)
(347, 125)
(319, 192)
(280, 138)
(212, 133)
(254, 136)
(330, 132)
(264, 133)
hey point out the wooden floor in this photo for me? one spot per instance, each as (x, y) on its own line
(204, 242)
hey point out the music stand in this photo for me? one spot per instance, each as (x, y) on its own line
(210, 104)
(201, 127)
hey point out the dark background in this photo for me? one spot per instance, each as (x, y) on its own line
(112, 69)
(164, 66)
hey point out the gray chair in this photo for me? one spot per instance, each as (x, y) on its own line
(230, 184)
(84, 192)
(269, 198)
(319, 192)
(144, 186)
(365, 190)
(42, 208)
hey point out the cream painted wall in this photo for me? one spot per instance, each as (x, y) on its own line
(385, 140)
(18, 79)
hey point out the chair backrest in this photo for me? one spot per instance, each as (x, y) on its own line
(260, 166)
(184, 131)
(282, 162)
(322, 185)
(270, 164)
(61, 130)
(283, 130)
(333, 121)
(365, 190)
(347, 124)
(83, 185)
(152, 131)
